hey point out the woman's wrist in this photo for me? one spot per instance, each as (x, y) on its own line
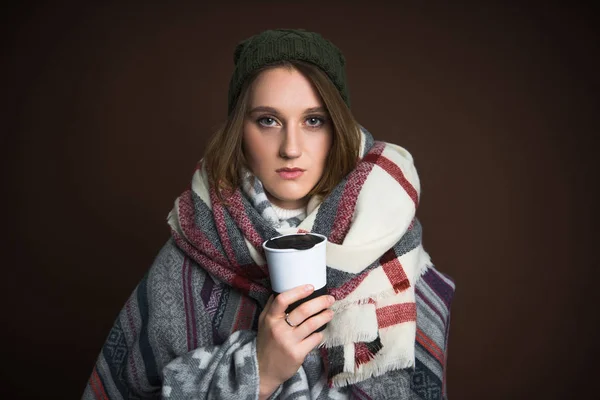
(266, 388)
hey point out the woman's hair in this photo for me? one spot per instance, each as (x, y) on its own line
(224, 156)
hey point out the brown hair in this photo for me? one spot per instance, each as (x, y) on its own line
(224, 154)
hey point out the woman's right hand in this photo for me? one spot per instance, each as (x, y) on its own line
(280, 348)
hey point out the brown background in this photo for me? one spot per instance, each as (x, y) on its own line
(108, 108)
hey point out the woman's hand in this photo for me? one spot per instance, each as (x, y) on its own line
(281, 348)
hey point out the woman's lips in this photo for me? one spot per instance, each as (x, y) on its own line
(290, 173)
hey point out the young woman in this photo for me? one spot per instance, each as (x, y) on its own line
(290, 158)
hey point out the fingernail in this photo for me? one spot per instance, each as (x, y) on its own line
(308, 288)
(331, 299)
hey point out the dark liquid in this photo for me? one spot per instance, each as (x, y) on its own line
(298, 242)
(316, 293)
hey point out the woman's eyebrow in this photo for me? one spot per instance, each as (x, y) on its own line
(315, 110)
(274, 111)
(264, 109)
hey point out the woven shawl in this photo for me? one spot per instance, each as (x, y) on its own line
(374, 255)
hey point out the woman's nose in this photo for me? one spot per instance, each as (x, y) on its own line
(291, 146)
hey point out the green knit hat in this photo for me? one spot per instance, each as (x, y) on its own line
(286, 44)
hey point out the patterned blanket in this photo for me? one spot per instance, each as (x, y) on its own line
(188, 331)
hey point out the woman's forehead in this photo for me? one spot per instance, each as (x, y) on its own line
(284, 88)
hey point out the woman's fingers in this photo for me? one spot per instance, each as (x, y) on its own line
(266, 308)
(269, 302)
(309, 343)
(312, 324)
(283, 300)
(310, 308)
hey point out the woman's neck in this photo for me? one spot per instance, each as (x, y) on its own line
(284, 213)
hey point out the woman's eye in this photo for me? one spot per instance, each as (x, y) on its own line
(314, 121)
(267, 121)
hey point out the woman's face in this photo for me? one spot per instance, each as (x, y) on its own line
(287, 135)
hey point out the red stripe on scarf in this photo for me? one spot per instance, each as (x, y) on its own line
(245, 314)
(96, 385)
(214, 267)
(394, 271)
(242, 284)
(347, 203)
(238, 213)
(362, 354)
(221, 272)
(192, 232)
(219, 217)
(430, 345)
(395, 172)
(252, 271)
(396, 314)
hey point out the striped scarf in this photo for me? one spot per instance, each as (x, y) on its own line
(374, 254)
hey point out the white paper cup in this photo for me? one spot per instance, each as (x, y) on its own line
(289, 268)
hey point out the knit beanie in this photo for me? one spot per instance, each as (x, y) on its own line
(287, 44)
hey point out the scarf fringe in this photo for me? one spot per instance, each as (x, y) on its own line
(375, 297)
(365, 352)
(342, 341)
(369, 370)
